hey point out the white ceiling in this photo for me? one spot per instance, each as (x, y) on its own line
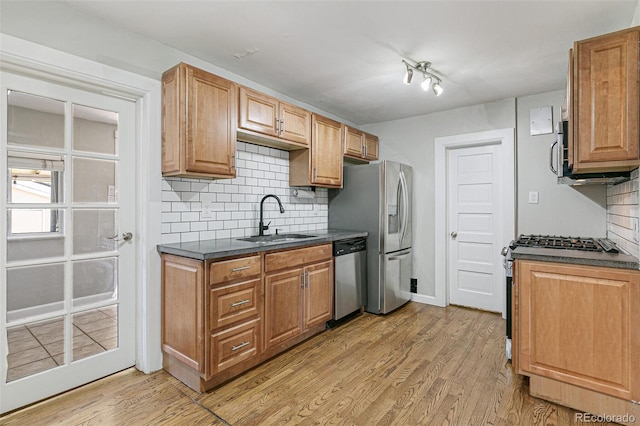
(344, 57)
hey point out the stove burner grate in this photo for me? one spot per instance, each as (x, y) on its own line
(557, 242)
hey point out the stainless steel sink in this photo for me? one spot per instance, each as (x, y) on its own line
(275, 238)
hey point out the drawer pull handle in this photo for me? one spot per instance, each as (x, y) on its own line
(241, 268)
(240, 346)
(242, 302)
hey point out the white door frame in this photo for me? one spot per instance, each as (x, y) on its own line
(37, 61)
(503, 137)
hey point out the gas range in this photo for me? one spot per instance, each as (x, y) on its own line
(597, 245)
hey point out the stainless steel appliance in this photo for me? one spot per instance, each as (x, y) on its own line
(594, 245)
(350, 260)
(377, 198)
(560, 164)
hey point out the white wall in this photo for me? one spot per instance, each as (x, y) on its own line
(636, 17)
(411, 141)
(562, 209)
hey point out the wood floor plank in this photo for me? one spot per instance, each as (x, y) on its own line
(420, 365)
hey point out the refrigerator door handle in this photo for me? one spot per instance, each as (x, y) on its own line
(405, 205)
(400, 256)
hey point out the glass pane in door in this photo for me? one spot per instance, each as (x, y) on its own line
(34, 120)
(102, 224)
(94, 130)
(34, 290)
(94, 280)
(95, 331)
(94, 181)
(35, 347)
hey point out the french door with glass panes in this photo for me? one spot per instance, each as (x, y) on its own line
(67, 312)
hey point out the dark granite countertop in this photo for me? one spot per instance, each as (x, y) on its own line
(578, 257)
(215, 249)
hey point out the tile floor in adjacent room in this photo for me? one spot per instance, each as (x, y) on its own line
(39, 346)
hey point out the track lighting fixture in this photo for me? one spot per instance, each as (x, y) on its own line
(430, 80)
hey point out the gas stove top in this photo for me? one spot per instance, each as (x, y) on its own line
(566, 243)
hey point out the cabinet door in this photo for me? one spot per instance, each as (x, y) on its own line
(182, 316)
(295, 124)
(318, 293)
(326, 156)
(607, 100)
(172, 125)
(258, 112)
(283, 306)
(211, 117)
(353, 142)
(370, 147)
(579, 325)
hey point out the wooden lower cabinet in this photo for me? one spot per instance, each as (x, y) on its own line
(220, 318)
(578, 325)
(298, 297)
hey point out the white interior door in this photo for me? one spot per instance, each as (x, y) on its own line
(67, 309)
(476, 278)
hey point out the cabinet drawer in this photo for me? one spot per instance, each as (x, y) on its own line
(232, 303)
(234, 345)
(234, 269)
(297, 257)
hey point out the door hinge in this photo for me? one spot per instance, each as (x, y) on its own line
(115, 134)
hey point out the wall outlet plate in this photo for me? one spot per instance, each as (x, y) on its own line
(533, 197)
(207, 210)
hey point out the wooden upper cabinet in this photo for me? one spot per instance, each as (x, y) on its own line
(578, 325)
(605, 127)
(360, 145)
(258, 112)
(295, 123)
(322, 164)
(199, 121)
(268, 116)
(326, 157)
(370, 147)
(353, 143)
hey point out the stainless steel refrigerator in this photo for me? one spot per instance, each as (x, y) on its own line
(377, 198)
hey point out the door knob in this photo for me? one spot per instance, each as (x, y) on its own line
(454, 234)
(126, 236)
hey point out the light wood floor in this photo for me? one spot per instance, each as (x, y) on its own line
(421, 365)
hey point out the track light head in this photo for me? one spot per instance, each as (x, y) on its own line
(426, 83)
(408, 76)
(437, 89)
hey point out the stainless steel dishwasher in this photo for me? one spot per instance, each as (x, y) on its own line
(350, 259)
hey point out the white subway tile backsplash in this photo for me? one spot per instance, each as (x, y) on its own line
(623, 214)
(235, 203)
(180, 227)
(190, 217)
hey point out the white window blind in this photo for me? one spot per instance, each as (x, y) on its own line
(33, 161)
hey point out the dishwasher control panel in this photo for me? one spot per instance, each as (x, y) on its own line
(349, 246)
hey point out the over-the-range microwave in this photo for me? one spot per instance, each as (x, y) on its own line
(559, 163)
